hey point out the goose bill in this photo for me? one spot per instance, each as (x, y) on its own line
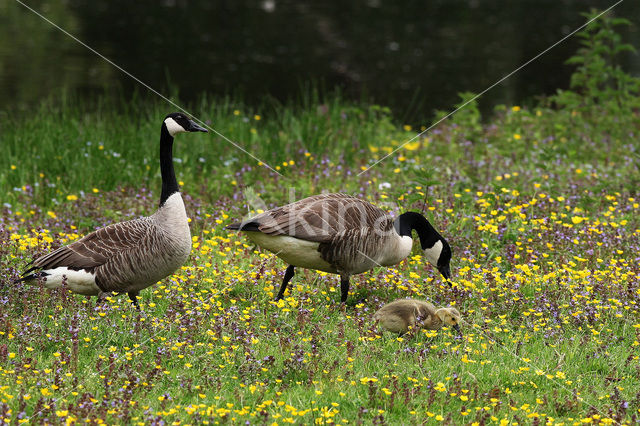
(195, 127)
(446, 273)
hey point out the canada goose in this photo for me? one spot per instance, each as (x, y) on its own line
(344, 235)
(399, 315)
(127, 256)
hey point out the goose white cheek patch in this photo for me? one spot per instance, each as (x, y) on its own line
(433, 254)
(173, 127)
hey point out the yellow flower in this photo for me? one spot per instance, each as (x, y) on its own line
(72, 197)
(515, 108)
(516, 136)
(412, 146)
(257, 117)
(51, 214)
(407, 127)
(13, 167)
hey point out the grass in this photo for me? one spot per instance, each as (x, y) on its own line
(545, 238)
(66, 139)
(540, 206)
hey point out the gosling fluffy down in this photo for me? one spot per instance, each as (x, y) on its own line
(400, 315)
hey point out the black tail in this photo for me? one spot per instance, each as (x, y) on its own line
(244, 226)
(30, 277)
(234, 226)
(25, 278)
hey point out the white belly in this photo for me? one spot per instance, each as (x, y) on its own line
(398, 250)
(292, 250)
(81, 282)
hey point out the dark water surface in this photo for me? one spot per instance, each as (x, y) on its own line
(414, 56)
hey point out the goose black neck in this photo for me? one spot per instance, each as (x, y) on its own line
(412, 221)
(169, 182)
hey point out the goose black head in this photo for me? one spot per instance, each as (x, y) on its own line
(439, 255)
(178, 122)
(435, 248)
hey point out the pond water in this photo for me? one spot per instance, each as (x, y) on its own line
(413, 56)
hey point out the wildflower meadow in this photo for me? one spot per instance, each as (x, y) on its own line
(539, 203)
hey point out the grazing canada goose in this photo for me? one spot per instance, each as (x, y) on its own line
(129, 256)
(399, 315)
(344, 235)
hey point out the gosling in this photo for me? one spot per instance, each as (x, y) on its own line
(400, 315)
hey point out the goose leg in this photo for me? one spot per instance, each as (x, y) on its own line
(133, 295)
(288, 274)
(101, 300)
(344, 288)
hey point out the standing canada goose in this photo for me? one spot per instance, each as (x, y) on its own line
(129, 256)
(400, 315)
(344, 235)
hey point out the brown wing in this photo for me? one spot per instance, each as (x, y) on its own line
(96, 248)
(129, 265)
(321, 218)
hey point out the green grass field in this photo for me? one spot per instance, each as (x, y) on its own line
(539, 204)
